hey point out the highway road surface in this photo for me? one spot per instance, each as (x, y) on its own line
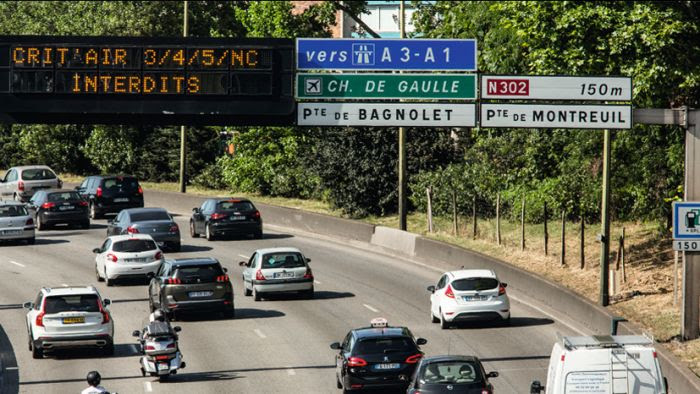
(272, 346)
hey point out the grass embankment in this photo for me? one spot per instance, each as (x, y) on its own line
(644, 297)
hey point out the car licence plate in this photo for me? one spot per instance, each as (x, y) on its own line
(137, 260)
(195, 294)
(73, 320)
(387, 366)
(283, 275)
(121, 200)
(237, 217)
(12, 232)
(474, 298)
(163, 366)
(66, 207)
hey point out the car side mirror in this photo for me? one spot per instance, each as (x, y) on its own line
(336, 346)
(97, 250)
(225, 269)
(431, 289)
(150, 275)
(242, 263)
(536, 387)
(110, 221)
(504, 284)
(308, 260)
(421, 341)
(107, 301)
(493, 374)
(28, 305)
(136, 333)
(177, 328)
(195, 210)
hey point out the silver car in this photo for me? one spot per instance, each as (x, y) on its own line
(15, 222)
(155, 222)
(277, 270)
(20, 183)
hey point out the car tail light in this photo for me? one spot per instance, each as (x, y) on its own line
(257, 214)
(159, 255)
(449, 293)
(217, 216)
(356, 362)
(20, 186)
(259, 275)
(308, 274)
(40, 319)
(501, 290)
(485, 392)
(132, 230)
(140, 190)
(413, 359)
(170, 345)
(98, 193)
(29, 222)
(47, 205)
(222, 278)
(83, 203)
(112, 257)
(654, 354)
(174, 228)
(105, 315)
(162, 357)
(149, 347)
(173, 281)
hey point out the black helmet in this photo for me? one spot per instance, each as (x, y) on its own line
(93, 378)
(159, 315)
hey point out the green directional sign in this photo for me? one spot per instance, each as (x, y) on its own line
(386, 86)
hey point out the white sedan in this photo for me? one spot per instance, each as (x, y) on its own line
(127, 256)
(467, 295)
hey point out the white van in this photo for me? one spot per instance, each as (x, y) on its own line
(603, 364)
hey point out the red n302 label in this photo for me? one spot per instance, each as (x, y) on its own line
(508, 87)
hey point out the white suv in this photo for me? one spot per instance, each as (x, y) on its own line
(467, 295)
(69, 317)
(127, 256)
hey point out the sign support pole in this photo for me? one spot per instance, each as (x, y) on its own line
(183, 129)
(605, 223)
(690, 309)
(402, 143)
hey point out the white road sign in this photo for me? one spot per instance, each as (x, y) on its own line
(523, 87)
(360, 114)
(554, 116)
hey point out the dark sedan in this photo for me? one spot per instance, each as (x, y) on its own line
(191, 285)
(451, 374)
(55, 206)
(226, 217)
(155, 222)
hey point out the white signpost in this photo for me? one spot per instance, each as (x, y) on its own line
(556, 116)
(403, 114)
(524, 87)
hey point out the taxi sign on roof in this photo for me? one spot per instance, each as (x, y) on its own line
(379, 322)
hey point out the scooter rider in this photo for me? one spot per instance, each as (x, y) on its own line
(93, 379)
(159, 315)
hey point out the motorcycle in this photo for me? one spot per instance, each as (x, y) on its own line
(161, 353)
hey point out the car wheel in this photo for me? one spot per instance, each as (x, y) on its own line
(246, 291)
(163, 378)
(37, 353)
(193, 233)
(17, 197)
(109, 282)
(40, 226)
(433, 319)
(444, 324)
(176, 246)
(94, 213)
(337, 382)
(85, 225)
(256, 295)
(506, 321)
(207, 233)
(31, 241)
(230, 313)
(258, 235)
(97, 275)
(308, 294)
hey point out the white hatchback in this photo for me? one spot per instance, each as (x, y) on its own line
(467, 295)
(277, 270)
(69, 317)
(127, 256)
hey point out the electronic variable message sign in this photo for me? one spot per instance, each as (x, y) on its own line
(146, 80)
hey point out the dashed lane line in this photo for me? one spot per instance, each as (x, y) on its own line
(147, 387)
(17, 264)
(291, 371)
(260, 334)
(318, 282)
(371, 308)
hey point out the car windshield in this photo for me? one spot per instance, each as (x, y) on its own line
(63, 196)
(134, 245)
(9, 211)
(37, 174)
(198, 273)
(283, 260)
(123, 183)
(383, 345)
(72, 303)
(450, 372)
(235, 206)
(151, 215)
(475, 284)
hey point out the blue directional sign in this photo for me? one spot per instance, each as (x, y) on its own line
(385, 54)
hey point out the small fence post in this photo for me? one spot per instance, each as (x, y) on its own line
(454, 213)
(675, 277)
(622, 255)
(562, 259)
(522, 225)
(582, 254)
(498, 218)
(430, 211)
(474, 217)
(546, 235)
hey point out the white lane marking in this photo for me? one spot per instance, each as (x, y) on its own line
(17, 264)
(244, 256)
(260, 334)
(291, 371)
(371, 308)
(11, 368)
(64, 284)
(147, 387)
(317, 282)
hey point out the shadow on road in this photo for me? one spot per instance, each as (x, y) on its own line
(513, 358)
(50, 241)
(251, 313)
(194, 248)
(118, 301)
(10, 306)
(514, 322)
(318, 295)
(9, 374)
(121, 350)
(234, 373)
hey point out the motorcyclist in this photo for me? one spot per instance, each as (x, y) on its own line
(159, 315)
(93, 379)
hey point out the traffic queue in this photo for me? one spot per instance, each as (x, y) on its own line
(380, 356)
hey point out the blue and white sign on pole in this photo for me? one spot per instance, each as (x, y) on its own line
(386, 54)
(686, 225)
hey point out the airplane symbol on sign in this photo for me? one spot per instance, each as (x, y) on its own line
(313, 86)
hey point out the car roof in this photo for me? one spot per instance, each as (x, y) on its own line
(278, 250)
(234, 199)
(117, 238)
(443, 358)
(192, 261)
(11, 203)
(141, 210)
(49, 191)
(377, 332)
(461, 274)
(33, 167)
(70, 290)
(112, 176)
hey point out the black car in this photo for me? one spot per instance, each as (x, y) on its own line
(451, 374)
(155, 222)
(379, 356)
(229, 216)
(191, 285)
(56, 206)
(110, 193)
